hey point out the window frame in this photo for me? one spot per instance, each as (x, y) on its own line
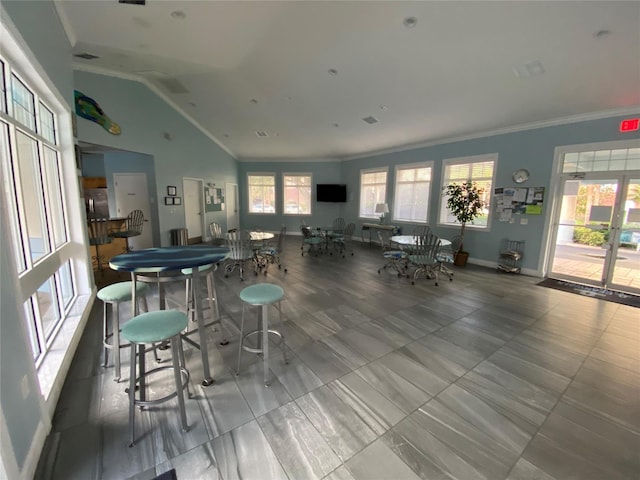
(412, 166)
(470, 160)
(363, 172)
(284, 195)
(275, 193)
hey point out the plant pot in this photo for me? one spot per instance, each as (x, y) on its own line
(460, 259)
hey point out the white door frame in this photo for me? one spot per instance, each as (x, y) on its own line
(556, 193)
(232, 189)
(201, 201)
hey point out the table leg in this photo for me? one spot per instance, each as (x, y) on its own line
(195, 285)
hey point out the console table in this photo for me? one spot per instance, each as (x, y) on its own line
(378, 226)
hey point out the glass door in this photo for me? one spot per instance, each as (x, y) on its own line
(597, 234)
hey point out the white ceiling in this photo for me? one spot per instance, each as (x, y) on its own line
(264, 66)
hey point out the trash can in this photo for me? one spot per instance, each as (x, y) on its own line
(179, 236)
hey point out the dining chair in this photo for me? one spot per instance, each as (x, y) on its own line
(343, 242)
(446, 254)
(395, 259)
(314, 243)
(98, 236)
(337, 228)
(217, 239)
(240, 252)
(133, 228)
(271, 254)
(421, 230)
(424, 257)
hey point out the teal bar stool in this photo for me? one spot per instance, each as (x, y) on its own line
(113, 295)
(263, 295)
(212, 296)
(149, 328)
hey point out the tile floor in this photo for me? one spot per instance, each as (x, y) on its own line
(486, 377)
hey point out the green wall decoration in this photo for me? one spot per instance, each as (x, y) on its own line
(213, 198)
(88, 108)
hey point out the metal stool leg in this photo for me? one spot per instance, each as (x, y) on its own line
(132, 394)
(177, 375)
(265, 344)
(213, 300)
(115, 332)
(284, 345)
(241, 340)
(105, 331)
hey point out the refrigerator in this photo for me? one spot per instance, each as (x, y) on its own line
(96, 202)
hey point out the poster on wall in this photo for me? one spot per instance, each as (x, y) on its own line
(518, 201)
(213, 198)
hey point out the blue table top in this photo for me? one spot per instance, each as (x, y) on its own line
(164, 259)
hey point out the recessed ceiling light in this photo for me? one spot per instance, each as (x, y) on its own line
(178, 15)
(370, 119)
(410, 22)
(602, 33)
(333, 72)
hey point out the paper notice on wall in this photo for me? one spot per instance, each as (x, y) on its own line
(505, 215)
(520, 195)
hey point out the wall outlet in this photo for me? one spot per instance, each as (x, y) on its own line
(524, 221)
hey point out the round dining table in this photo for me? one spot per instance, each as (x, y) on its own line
(413, 239)
(149, 264)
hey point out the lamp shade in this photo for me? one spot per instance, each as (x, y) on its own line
(382, 208)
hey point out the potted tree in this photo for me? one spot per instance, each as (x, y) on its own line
(465, 203)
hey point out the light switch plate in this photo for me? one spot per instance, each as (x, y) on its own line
(524, 221)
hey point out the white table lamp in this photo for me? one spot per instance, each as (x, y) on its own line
(382, 208)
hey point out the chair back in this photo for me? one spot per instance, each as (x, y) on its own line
(239, 245)
(385, 240)
(283, 234)
(135, 221)
(456, 243)
(99, 231)
(306, 231)
(216, 234)
(425, 250)
(421, 230)
(338, 225)
(348, 231)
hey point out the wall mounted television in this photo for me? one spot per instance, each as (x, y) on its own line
(336, 193)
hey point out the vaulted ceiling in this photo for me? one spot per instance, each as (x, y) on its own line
(339, 79)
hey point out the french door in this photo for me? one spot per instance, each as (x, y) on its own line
(597, 230)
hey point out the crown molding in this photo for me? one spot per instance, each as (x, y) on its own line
(632, 110)
(289, 160)
(137, 78)
(66, 24)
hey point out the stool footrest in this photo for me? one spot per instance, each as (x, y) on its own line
(258, 332)
(185, 380)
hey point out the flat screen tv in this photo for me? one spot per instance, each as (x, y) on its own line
(331, 192)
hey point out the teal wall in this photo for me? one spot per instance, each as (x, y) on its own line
(93, 165)
(531, 149)
(145, 120)
(40, 28)
(321, 213)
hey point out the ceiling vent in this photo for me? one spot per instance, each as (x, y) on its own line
(370, 120)
(262, 133)
(86, 56)
(133, 2)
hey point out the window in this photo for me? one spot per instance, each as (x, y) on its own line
(262, 192)
(34, 193)
(413, 187)
(373, 190)
(478, 169)
(297, 193)
(602, 160)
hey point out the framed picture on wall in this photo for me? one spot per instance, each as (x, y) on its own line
(172, 191)
(168, 200)
(177, 200)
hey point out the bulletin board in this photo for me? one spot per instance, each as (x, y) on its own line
(518, 201)
(213, 198)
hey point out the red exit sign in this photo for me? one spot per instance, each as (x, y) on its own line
(630, 125)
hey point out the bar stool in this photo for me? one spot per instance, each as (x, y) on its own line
(212, 297)
(112, 295)
(261, 294)
(150, 328)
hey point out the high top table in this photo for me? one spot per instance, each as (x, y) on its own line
(150, 263)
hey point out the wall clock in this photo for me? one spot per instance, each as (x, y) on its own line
(521, 175)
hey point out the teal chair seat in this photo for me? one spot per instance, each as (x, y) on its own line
(121, 292)
(262, 294)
